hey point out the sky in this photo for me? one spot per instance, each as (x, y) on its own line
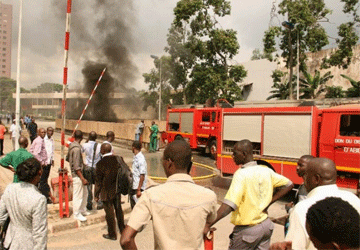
(146, 26)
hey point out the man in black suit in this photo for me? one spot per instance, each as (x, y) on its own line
(105, 188)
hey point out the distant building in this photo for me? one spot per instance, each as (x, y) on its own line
(5, 39)
(258, 82)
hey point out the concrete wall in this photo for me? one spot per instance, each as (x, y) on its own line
(315, 60)
(259, 76)
(124, 131)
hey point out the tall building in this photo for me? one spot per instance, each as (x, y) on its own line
(5, 39)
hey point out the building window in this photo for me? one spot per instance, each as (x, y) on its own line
(4, 60)
(4, 54)
(4, 31)
(3, 66)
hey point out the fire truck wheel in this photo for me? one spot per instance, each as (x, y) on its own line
(213, 149)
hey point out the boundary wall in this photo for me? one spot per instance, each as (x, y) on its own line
(124, 130)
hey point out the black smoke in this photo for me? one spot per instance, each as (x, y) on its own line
(101, 36)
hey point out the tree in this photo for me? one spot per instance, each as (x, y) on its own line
(304, 22)
(313, 86)
(202, 51)
(334, 92)
(47, 87)
(354, 90)
(281, 86)
(348, 37)
(257, 55)
(151, 97)
(7, 88)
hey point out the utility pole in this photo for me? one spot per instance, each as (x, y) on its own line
(17, 112)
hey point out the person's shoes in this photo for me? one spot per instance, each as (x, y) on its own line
(49, 201)
(86, 213)
(100, 206)
(80, 217)
(108, 237)
(89, 207)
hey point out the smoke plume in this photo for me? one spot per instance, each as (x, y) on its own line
(101, 36)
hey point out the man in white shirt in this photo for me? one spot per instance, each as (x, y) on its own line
(92, 156)
(139, 130)
(320, 181)
(139, 171)
(50, 148)
(13, 133)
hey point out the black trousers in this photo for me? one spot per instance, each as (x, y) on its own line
(43, 184)
(132, 201)
(113, 208)
(1, 146)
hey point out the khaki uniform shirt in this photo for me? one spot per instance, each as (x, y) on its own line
(179, 210)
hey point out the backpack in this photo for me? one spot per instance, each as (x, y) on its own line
(124, 178)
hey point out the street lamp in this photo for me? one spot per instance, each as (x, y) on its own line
(290, 27)
(17, 107)
(156, 57)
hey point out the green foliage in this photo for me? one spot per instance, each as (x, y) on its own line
(312, 86)
(348, 37)
(257, 55)
(281, 86)
(343, 55)
(201, 52)
(47, 87)
(7, 88)
(354, 90)
(334, 92)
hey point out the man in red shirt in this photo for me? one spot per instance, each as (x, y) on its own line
(2, 132)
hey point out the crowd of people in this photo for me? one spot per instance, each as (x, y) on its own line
(321, 216)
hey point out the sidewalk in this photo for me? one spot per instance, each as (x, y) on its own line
(55, 223)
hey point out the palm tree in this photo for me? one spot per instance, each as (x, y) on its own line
(281, 90)
(313, 86)
(353, 91)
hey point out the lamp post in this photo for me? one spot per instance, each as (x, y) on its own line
(156, 57)
(17, 107)
(289, 26)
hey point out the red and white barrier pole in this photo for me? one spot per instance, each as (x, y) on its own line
(209, 241)
(88, 101)
(71, 139)
(63, 174)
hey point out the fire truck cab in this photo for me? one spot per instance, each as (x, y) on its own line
(198, 126)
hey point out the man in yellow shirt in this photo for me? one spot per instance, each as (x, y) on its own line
(248, 198)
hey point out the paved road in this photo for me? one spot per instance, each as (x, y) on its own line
(91, 237)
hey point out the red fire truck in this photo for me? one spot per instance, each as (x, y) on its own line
(281, 132)
(281, 135)
(198, 126)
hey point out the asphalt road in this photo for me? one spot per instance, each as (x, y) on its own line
(91, 237)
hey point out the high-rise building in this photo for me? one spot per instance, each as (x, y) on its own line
(5, 39)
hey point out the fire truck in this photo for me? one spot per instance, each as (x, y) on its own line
(197, 125)
(281, 132)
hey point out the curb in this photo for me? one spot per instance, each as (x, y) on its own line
(97, 217)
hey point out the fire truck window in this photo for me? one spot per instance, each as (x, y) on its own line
(213, 116)
(206, 116)
(350, 125)
(174, 126)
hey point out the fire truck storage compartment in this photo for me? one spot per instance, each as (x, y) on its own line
(284, 135)
(239, 127)
(287, 135)
(187, 121)
(174, 121)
